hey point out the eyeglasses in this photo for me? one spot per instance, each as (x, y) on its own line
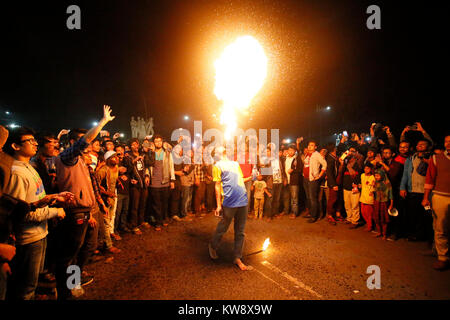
(31, 141)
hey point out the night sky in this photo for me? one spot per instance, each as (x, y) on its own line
(148, 58)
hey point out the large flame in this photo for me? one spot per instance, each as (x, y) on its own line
(240, 74)
(266, 244)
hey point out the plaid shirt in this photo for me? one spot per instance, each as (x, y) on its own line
(70, 156)
(95, 186)
(199, 172)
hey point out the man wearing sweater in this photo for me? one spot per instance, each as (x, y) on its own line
(73, 175)
(438, 181)
(31, 231)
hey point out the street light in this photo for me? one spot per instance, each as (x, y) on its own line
(95, 123)
(328, 108)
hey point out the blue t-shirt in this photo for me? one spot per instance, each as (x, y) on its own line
(233, 187)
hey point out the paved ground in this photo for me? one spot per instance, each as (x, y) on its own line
(305, 261)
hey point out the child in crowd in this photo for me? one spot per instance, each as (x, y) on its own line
(260, 187)
(367, 194)
(384, 201)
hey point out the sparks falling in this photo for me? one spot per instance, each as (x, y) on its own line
(240, 74)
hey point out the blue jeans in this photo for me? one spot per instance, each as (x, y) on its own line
(312, 197)
(123, 202)
(240, 217)
(186, 200)
(26, 266)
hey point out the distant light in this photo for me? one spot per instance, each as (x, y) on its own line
(95, 123)
(197, 134)
(186, 117)
(13, 125)
(122, 135)
(328, 108)
(288, 140)
(7, 112)
(180, 129)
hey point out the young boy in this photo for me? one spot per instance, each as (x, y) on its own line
(260, 187)
(384, 201)
(367, 194)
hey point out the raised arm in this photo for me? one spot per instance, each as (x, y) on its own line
(93, 132)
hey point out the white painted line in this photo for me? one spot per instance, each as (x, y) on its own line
(281, 287)
(291, 278)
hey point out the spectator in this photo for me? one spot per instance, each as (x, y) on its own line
(186, 172)
(292, 166)
(107, 177)
(367, 195)
(31, 232)
(73, 176)
(140, 180)
(334, 201)
(260, 189)
(351, 167)
(384, 202)
(123, 191)
(314, 169)
(412, 189)
(438, 182)
(162, 178)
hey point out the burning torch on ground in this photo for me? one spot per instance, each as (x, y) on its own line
(264, 247)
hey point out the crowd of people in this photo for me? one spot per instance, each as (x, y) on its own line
(67, 199)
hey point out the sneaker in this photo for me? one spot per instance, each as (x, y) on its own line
(137, 231)
(293, 216)
(312, 220)
(307, 216)
(113, 250)
(158, 228)
(86, 278)
(354, 226)
(212, 252)
(176, 218)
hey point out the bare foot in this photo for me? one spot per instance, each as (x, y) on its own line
(242, 266)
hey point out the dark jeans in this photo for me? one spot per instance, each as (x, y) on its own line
(322, 202)
(210, 196)
(159, 201)
(71, 233)
(90, 240)
(199, 196)
(239, 215)
(123, 202)
(268, 203)
(276, 196)
(312, 197)
(26, 266)
(138, 199)
(186, 200)
(290, 199)
(175, 200)
(420, 223)
(334, 203)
